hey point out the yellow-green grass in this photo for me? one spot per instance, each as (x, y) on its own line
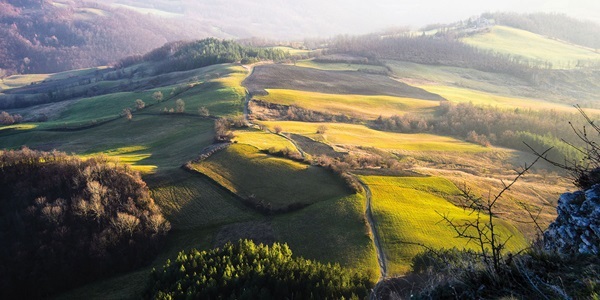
(16, 81)
(331, 231)
(280, 182)
(407, 209)
(310, 63)
(262, 140)
(293, 51)
(360, 106)
(170, 140)
(25, 126)
(532, 46)
(222, 96)
(359, 135)
(131, 155)
(462, 95)
(100, 108)
(191, 201)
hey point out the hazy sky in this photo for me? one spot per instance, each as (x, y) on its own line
(323, 18)
(418, 13)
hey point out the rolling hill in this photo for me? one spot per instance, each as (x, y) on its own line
(418, 131)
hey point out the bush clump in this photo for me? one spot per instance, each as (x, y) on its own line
(248, 271)
(65, 222)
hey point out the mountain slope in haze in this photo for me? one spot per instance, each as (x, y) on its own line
(558, 26)
(53, 36)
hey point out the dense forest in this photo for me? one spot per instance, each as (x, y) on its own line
(181, 56)
(45, 37)
(248, 271)
(65, 222)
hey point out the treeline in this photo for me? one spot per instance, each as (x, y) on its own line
(45, 38)
(248, 271)
(8, 119)
(181, 56)
(433, 51)
(491, 126)
(65, 222)
(560, 26)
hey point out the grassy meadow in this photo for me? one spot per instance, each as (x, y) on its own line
(508, 40)
(332, 230)
(407, 210)
(359, 106)
(279, 182)
(360, 135)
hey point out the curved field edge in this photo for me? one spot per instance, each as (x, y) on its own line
(407, 211)
(508, 40)
(334, 230)
(359, 106)
(278, 182)
(360, 135)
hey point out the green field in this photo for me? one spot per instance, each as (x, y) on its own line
(164, 141)
(507, 40)
(406, 209)
(279, 182)
(359, 135)
(461, 95)
(293, 51)
(333, 230)
(16, 81)
(262, 140)
(359, 106)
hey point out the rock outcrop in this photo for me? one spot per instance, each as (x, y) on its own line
(577, 226)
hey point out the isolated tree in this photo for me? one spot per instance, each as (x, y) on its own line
(203, 111)
(139, 104)
(278, 129)
(157, 96)
(179, 106)
(321, 129)
(127, 114)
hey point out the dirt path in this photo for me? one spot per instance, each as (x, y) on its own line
(248, 97)
(369, 213)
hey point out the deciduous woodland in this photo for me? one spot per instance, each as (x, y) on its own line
(65, 221)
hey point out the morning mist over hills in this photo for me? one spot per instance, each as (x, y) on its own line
(275, 149)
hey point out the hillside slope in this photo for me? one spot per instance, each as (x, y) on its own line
(53, 36)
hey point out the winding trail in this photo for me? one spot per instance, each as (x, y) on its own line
(369, 213)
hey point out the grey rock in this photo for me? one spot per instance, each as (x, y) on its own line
(577, 226)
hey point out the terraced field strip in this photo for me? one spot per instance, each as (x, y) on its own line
(359, 106)
(407, 211)
(360, 135)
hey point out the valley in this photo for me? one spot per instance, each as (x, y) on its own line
(346, 162)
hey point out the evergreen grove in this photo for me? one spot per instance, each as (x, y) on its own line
(245, 270)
